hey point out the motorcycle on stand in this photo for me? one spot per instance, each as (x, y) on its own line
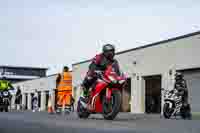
(105, 98)
(5, 99)
(173, 105)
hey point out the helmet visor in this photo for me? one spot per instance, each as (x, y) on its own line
(109, 54)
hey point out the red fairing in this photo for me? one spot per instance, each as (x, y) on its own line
(95, 101)
(96, 97)
(98, 105)
(109, 72)
(99, 87)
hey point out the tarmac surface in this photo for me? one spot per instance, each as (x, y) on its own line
(42, 122)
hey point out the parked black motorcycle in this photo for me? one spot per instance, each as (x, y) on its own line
(5, 98)
(173, 105)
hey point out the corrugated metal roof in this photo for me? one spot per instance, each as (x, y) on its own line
(19, 77)
(22, 67)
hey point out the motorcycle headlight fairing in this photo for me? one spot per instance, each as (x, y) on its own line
(5, 93)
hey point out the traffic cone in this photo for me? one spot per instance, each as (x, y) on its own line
(50, 108)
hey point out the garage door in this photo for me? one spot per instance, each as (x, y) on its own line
(193, 82)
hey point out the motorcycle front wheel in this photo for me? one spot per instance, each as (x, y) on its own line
(111, 109)
(167, 111)
(81, 111)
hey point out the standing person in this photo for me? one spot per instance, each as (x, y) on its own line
(35, 101)
(63, 88)
(18, 98)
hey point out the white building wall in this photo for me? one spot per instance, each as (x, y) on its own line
(41, 85)
(158, 59)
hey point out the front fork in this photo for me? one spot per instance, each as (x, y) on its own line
(108, 94)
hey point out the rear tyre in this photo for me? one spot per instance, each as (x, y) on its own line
(167, 111)
(115, 107)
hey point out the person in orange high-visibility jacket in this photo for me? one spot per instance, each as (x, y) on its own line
(64, 87)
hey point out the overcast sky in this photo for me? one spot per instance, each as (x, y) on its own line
(53, 33)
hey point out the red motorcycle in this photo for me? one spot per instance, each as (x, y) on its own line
(105, 97)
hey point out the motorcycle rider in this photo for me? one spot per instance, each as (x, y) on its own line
(5, 86)
(99, 63)
(181, 86)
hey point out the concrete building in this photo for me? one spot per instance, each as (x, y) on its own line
(45, 87)
(152, 67)
(17, 74)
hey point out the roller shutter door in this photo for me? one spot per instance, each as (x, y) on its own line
(193, 82)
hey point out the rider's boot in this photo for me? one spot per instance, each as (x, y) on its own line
(84, 97)
(85, 93)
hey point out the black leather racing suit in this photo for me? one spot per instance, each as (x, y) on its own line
(181, 86)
